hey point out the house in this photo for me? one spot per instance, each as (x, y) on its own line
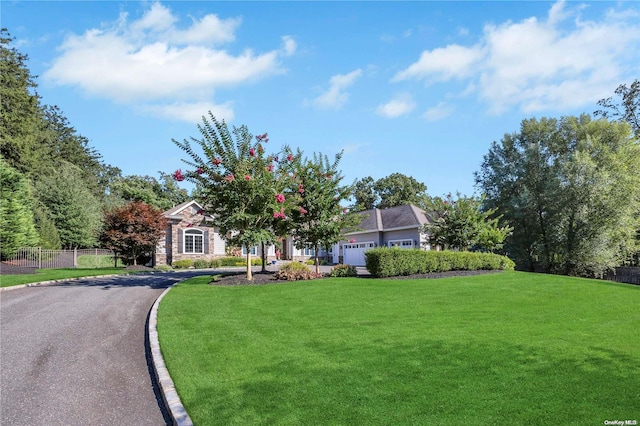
(189, 235)
(400, 226)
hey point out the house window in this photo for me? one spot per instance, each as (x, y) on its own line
(308, 251)
(359, 245)
(406, 244)
(253, 250)
(193, 241)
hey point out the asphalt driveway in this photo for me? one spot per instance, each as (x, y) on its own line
(75, 353)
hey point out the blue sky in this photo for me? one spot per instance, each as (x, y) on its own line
(419, 88)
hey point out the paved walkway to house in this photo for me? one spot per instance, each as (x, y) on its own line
(75, 353)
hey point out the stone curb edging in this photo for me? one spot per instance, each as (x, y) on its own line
(170, 397)
(61, 280)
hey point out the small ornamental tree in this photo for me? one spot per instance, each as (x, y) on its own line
(318, 220)
(241, 186)
(462, 224)
(133, 230)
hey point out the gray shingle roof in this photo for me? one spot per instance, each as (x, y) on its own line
(394, 217)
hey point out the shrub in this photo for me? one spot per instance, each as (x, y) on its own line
(389, 262)
(201, 264)
(182, 264)
(294, 271)
(163, 268)
(344, 271)
(215, 263)
(236, 261)
(309, 262)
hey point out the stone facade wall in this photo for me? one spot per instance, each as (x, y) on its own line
(168, 249)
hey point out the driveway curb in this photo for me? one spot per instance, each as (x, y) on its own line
(61, 280)
(170, 397)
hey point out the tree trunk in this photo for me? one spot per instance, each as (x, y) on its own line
(249, 277)
(264, 258)
(315, 251)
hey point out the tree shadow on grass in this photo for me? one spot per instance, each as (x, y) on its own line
(426, 382)
(153, 280)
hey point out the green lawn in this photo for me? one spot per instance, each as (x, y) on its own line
(56, 274)
(507, 348)
(99, 261)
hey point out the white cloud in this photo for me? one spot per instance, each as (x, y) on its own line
(152, 59)
(438, 112)
(335, 97)
(191, 112)
(399, 105)
(353, 147)
(556, 63)
(289, 45)
(442, 64)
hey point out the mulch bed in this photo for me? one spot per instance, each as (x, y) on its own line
(261, 278)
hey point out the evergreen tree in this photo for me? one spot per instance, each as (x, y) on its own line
(17, 227)
(70, 204)
(20, 114)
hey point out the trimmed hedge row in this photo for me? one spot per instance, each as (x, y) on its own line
(390, 262)
(214, 263)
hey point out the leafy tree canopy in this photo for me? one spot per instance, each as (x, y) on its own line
(320, 221)
(241, 186)
(133, 230)
(161, 193)
(462, 223)
(394, 190)
(70, 204)
(627, 108)
(570, 188)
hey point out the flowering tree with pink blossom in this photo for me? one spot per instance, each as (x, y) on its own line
(247, 191)
(318, 220)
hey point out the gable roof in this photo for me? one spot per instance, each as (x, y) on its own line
(399, 217)
(174, 213)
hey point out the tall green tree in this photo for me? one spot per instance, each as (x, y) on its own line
(462, 223)
(71, 205)
(364, 194)
(20, 115)
(161, 193)
(398, 189)
(17, 226)
(571, 191)
(394, 190)
(627, 108)
(242, 186)
(319, 221)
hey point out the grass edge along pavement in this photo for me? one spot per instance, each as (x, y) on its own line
(511, 347)
(45, 276)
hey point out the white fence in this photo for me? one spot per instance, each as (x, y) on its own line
(35, 257)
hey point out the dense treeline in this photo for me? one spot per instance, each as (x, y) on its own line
(566, 191)
(570, 189)
(55, 186)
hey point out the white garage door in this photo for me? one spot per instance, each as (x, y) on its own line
(354, 253)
